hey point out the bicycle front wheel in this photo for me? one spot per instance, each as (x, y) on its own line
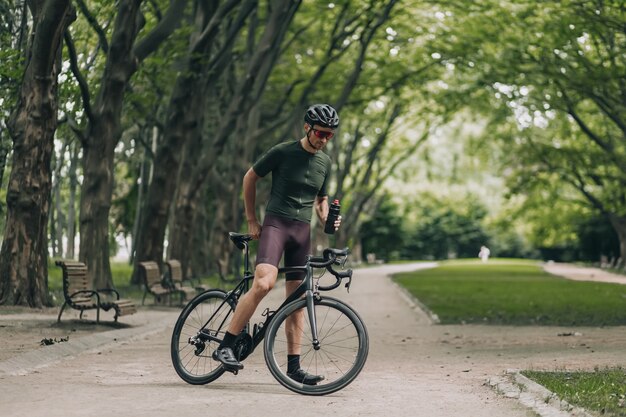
(191, 349)
(340, 356)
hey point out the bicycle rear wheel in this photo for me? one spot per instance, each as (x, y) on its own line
(342, 353)
(191, 350)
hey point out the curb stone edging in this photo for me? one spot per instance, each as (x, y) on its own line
(534, 396)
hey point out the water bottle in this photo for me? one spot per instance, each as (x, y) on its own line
(333, 213)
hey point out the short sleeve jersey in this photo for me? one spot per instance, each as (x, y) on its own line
(298, 178)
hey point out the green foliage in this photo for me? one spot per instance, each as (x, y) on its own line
(431, 227)
(447, 228)
(514, 293)
(596, 238)
(547, 78)
(524, 82)
(384, 234)
(447, 233)
(602, 390)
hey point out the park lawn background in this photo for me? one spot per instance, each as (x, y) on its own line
(513, 292)
(602, 391)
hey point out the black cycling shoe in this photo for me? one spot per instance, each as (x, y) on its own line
(305, 378)
(227, 358)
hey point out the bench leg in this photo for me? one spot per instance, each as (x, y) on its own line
(98, 315)
(61, 312)
(144, 296)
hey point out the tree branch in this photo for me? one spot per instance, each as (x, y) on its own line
(93, 22)
(82, 82)
(74, 127)
(209, 32)
(161, 31)
(55, 16)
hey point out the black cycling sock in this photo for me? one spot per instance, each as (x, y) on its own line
(293, 363)
(229, 340)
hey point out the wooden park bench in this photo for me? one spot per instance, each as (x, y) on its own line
(175, 276)
(153, 283)
(79, 294)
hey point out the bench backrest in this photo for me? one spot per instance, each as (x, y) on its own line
(175, 270)
(151, 273)
(74, 277)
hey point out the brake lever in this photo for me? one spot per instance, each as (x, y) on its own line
(348, 284)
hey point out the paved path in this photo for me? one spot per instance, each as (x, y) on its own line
(579, 273)
(414, 368)
(404, 375)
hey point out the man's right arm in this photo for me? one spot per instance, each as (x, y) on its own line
(249, 199)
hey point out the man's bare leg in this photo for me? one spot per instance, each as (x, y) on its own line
(295, 325)
(264, 280)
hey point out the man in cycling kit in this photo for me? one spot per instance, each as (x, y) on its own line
(300, 173)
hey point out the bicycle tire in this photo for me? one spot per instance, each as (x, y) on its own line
(194, 368)
(344, 345)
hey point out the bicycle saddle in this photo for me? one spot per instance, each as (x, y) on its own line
(239, 239)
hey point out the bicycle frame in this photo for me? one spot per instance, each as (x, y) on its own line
(305, 288)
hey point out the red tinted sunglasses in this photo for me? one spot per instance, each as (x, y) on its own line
(322, 134)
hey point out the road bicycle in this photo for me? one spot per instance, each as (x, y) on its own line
(333, 339)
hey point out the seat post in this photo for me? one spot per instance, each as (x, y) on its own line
(246, 261)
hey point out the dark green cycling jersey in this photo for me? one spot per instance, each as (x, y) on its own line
(298, 178)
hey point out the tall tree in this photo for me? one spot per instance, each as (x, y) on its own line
(125, 52)
(557, 71)
(241, 109)
(204, 63)
(24, 254)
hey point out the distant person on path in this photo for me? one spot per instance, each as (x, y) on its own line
(300, 178)
(484, 253)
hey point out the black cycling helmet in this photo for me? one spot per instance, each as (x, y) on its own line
(323, 115)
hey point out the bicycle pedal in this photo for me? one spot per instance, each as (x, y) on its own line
(231, 370)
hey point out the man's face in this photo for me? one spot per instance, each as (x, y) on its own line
(319, 136)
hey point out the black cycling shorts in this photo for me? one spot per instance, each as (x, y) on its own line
(282, 235)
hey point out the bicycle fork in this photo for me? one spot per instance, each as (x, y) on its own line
(310, 307)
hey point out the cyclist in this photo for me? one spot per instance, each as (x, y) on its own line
(300, 173)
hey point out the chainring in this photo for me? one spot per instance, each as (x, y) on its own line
(243, 346)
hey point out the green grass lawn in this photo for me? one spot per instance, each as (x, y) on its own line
(514, 292)
(121, 272)
(603, 391)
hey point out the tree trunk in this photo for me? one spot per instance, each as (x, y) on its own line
(240, 118)
(24, 253)
(99, 149)
(181, 119)
(184, 209)
(144, 181)
(52, 223)
(182, 123)
(95, 203)
(104, 131)
(58, 222)
(71, 211)
(619, 224)
(228, 213)
(5, 148)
